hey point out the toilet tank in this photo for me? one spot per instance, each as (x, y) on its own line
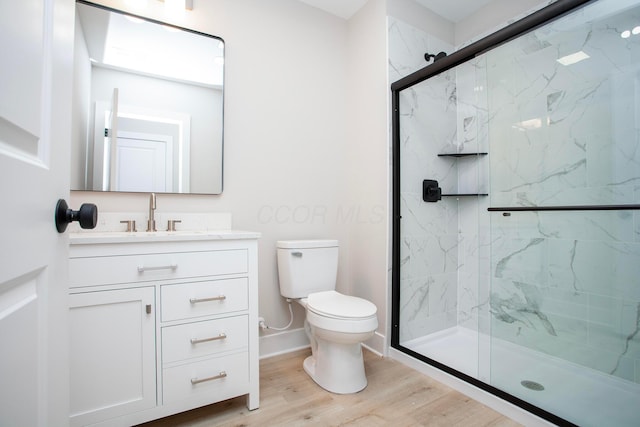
(306, 266)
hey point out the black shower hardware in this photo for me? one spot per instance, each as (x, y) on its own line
(428, 56)
(431, 192)
(627, 207)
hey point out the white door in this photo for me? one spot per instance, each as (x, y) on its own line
(144, 162)
(111, 137)
(36, 66)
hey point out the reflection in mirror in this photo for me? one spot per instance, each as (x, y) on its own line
(148, 105)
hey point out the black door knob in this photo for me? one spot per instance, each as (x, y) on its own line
(87, 215)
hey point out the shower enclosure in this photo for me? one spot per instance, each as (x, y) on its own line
(516, 235)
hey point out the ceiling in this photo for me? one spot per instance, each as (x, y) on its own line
(342, 8)
(453, 10)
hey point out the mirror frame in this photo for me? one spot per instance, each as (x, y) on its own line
(90, 134)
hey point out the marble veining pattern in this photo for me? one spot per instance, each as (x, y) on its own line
(564, 283)
(566, 135)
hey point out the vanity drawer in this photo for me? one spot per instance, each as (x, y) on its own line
(107, 270)
(197, 299)
(222, 377)
(204, 338)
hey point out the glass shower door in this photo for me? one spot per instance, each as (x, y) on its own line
(443, 188)
(518, 209)
(565, 183)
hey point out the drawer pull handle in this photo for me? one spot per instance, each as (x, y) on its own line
(199, 340)
(221, 375)
(197, 300)
(142, 268)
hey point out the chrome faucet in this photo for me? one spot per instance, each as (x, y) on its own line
(151, 224)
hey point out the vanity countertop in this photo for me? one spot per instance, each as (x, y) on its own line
(89, 238)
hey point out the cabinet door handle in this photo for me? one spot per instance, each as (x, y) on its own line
(199, 340)
(142, 268)
(221, 375)
(148, 308)
(197, 300)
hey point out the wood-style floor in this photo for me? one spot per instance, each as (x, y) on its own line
(395, 396)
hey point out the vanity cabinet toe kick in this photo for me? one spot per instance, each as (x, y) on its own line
(161, 327)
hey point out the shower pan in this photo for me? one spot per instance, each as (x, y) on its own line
(516, 223)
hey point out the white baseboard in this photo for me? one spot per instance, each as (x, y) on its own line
(508, 409)
(296, 339)
(376, 344)
(283, 342)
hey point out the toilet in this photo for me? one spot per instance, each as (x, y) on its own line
(336, 324)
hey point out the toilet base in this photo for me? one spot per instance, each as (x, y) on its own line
(338, 368)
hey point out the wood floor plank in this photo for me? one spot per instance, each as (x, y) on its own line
(396, 395)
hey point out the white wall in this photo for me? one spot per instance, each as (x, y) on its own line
(306, 128)
(367, 162)
(285, 131)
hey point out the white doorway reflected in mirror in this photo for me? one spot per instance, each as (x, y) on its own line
(153, 126)
(144, 161)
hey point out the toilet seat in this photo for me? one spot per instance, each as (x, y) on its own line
(338, 306)
(333, 311)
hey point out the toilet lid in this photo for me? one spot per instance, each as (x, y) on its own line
(335, 304)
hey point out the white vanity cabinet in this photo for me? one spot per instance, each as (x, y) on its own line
(112, 353)
(161, 324)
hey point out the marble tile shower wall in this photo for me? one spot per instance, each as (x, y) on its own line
(429, 231)
(567, 283)
(473, 177)
(429, 240)
(439, 241)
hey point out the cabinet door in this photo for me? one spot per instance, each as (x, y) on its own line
(112, 355)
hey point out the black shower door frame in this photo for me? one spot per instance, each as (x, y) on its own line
(510, 32)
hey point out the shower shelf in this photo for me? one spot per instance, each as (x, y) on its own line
(464, 194)
(461, 155)
(458, 155)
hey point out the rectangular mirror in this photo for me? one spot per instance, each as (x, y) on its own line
(147, 107)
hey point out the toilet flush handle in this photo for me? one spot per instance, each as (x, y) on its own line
(297, 254)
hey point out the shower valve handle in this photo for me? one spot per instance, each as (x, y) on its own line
(431, 192)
